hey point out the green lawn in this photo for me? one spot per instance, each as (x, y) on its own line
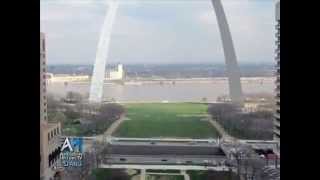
(164, 177)
(109, 174)
(166, 120)
(209, 175)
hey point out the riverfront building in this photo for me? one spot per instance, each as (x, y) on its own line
(277, 113)
(52, 78)
(49, 132)
(117, 74)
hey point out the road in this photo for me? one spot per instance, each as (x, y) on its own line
(165, 160)
(164, 150)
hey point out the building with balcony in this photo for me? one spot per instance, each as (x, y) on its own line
(49, 132)
(277, 90)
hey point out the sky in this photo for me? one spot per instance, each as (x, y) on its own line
(158, 31)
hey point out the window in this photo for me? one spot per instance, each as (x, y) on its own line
(43, 45)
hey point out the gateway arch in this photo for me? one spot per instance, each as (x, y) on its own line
(232, 68)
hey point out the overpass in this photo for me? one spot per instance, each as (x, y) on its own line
(180, 154)
(164, 167)
(226, 146)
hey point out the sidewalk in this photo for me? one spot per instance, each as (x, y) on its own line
(114, 126)
(220, 129)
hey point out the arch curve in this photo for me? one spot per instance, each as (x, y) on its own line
(232, 68)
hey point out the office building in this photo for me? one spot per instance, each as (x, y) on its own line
(277, 113)
(49, 132)
(117, 74)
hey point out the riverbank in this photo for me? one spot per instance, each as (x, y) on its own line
(188, 90)
(141, 81)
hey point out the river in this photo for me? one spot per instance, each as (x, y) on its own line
(188, 90)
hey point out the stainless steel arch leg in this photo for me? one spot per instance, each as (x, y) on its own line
(232, 68)
(98, 76)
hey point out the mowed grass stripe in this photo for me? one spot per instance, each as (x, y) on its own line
(166, 120)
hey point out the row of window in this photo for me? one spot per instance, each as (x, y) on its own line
(53, 133)
(54, 156)
(43, 56)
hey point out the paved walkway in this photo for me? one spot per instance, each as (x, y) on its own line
(114, 126)
(220, 129)
(143, 174)
(185, 175)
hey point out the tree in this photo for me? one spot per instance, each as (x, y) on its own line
(204, 99)
(99, 151)
(81, 109)
(53, 104)
(70, 113)
(59, 117)
(218, 110)
(110, 112)
(73, 97)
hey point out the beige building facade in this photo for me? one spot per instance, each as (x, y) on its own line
(117, 74)
(49, 132)
(277, 90)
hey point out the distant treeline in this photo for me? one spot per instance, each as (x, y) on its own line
(170, 70)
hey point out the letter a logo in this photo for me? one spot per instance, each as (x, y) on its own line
(67, 144)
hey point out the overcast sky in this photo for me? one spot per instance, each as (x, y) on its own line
(158, 31)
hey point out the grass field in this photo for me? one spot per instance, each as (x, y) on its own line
(209, 175)
(164, 177)
(183, 120)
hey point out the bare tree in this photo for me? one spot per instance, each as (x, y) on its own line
(73, 97)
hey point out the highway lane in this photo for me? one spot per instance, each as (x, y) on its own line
(155, 143)
(163, 150)
(164, 160)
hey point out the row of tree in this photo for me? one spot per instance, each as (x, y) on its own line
(89, 119)
(254, 125)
